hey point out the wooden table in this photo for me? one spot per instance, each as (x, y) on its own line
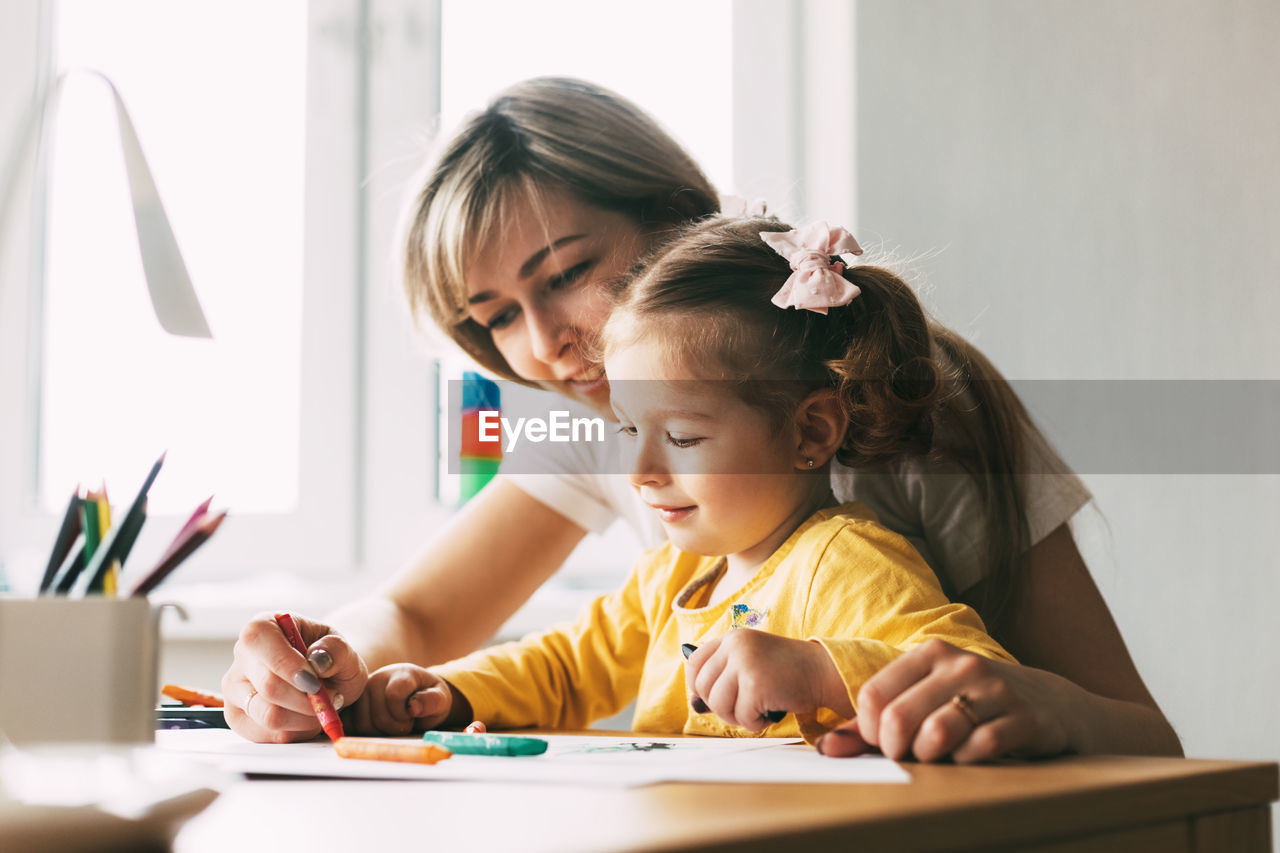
(1063, 805)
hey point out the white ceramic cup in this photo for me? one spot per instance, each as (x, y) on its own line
(78, 670)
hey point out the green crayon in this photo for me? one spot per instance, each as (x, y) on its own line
(463, 743)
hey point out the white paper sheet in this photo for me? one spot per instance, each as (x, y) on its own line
(569, 759)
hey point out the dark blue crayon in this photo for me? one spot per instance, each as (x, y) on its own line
(771, 716)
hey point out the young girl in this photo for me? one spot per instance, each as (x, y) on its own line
(741, 362)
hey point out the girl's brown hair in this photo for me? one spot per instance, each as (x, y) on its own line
(910, 386)
(542, 134)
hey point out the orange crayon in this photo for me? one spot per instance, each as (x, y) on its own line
(192, 696)
(389, 749)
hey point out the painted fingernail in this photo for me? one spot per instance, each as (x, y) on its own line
(698, 705)
(306, 682)
(321, 660)
(337, 701)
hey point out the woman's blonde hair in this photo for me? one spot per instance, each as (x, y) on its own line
(910, 387)
(548, 133)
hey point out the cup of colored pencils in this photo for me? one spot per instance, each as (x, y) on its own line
(89, 552)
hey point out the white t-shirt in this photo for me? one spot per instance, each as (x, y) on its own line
(934, 506)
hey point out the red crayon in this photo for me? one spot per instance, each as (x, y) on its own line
(320, 702)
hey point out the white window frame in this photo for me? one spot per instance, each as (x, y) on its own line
(26, 65)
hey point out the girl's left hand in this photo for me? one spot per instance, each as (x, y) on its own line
(402, 698)
(747, 673)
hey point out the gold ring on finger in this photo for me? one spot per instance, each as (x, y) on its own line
(962, 704)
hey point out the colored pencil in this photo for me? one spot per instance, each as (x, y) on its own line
(89, 524)
(177, 553)
(185, 530)
(72, 566)
(67, 533)
(119, 539)
(111, 578)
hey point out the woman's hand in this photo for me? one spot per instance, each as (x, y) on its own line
(402, 698)
(911, 708)
(743, 675)
(267, 684)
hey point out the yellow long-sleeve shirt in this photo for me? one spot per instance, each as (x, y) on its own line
(857, 588)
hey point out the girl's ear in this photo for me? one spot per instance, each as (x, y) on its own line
(821, 424)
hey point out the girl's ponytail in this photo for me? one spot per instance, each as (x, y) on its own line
(914, 387)
(884, 370)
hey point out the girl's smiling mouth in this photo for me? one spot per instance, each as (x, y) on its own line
(673, 514)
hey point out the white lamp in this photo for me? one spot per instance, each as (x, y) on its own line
(172, 295)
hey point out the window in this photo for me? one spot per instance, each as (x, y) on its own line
(262, 197)
(115, 388)
(283, 152)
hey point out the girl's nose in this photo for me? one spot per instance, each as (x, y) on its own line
(647, 466)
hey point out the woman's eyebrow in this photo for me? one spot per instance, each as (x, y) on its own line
(528, 267)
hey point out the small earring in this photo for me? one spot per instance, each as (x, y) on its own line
(809, 462)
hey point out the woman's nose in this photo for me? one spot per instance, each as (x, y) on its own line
(550, 334)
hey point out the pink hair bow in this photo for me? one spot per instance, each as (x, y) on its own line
(816, 283)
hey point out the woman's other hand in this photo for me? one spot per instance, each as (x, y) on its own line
(938, 701)
(266, 686)
(1081, 695)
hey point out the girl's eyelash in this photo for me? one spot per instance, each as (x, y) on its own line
(671, 439)
(682, 443)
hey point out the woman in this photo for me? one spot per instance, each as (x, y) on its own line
(526, 219)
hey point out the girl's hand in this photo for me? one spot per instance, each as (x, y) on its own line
(402, 698)
(909, 707)
(747, 673)
(266, 686)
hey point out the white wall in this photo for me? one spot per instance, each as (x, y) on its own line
(1099, 184)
